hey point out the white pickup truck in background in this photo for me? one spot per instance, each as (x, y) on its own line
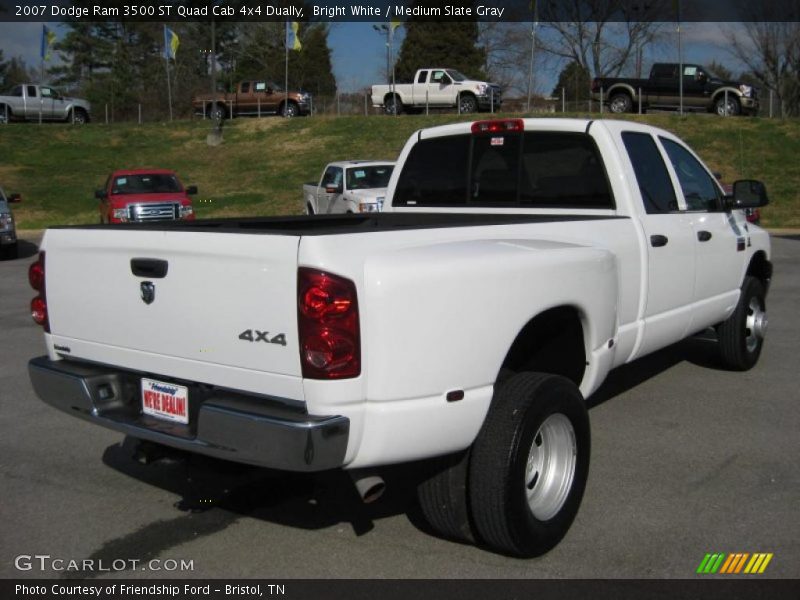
(517, 263)
(352, 186)
(437, 88)
(31, 102)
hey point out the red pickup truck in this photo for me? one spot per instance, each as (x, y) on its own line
(134, 195)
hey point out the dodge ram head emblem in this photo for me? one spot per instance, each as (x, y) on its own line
(148, 291)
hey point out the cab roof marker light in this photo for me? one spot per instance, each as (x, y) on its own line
(498, 126)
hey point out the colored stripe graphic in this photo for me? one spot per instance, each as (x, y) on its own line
(731, 564)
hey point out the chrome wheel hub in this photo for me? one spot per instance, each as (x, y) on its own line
(755, 325)
(550, 468)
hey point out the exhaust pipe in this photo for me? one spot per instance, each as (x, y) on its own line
(369, 486)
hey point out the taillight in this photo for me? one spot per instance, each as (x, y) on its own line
(498, 126)
(39, 304)
(330, 342)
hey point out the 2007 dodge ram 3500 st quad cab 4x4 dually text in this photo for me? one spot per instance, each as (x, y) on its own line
(518, 262)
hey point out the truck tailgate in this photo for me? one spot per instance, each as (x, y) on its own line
(225, 299)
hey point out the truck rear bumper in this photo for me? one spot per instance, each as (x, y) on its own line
(223, 424)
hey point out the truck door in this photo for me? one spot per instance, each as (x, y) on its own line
(668, 244)
(719, 239)
(246, 100)
(694, 86)
(440, 89)
(52, 103)
(33, 103)
(663, 85)
(333, 180)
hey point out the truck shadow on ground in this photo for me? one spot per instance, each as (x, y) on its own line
(215, 494)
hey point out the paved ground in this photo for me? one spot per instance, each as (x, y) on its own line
(687, 459)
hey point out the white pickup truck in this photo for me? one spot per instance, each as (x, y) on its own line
(517, 263)
(31, 102)
(352, 186)
(437, 88)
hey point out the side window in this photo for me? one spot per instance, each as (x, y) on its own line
(333, 176)
(423, 75)
(562, 170)
(438, 77)
(46, 92)
(435, 173)
(699, 190)
(31, 91)
(261, 86)
(245, 87)
(17, 91)
(652, 176)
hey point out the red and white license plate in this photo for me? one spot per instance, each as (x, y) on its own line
(165, 400)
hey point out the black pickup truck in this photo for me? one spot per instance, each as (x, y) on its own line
(701, 91)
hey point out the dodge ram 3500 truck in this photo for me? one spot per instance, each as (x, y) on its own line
(518, 262)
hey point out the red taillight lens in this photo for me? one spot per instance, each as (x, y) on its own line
(498, 126)
(36, 274)
(330, 343)
(39, 310)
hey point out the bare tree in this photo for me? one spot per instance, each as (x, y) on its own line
(603, 36)
(770, 47)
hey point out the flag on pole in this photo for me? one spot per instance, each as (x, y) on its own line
(48, 37)
(292, 38)
(394, 23)
(171, 42)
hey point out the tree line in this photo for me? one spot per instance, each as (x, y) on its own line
(121, 63)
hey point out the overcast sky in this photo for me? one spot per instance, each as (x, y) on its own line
(359, 52)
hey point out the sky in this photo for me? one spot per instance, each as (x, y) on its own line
(359, 52)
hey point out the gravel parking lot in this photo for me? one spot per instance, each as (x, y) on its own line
(687, 460)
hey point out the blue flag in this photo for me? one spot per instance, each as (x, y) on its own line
(48, 37)
(171, 42)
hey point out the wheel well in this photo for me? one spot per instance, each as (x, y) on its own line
(552, 342)
(760, 268)
(390, 95)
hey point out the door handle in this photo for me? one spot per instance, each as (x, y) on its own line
(703, 236)
(658, 240)
(151, 268)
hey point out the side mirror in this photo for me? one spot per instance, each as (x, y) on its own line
(333, 189)
(100, 194)
(15, 198)
(749, 193)
(191, 190)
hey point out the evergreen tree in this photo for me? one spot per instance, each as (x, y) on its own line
(575, 80)
(441, 44)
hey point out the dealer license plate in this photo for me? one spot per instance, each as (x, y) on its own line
(165, 400)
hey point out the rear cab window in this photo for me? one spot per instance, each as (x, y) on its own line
(532, 169)
(652, 176)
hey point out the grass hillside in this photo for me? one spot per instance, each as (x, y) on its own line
(261, 166)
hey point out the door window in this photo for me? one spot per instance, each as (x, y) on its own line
(699, 189)
(332, 177)
(652, 176)
(31, 91)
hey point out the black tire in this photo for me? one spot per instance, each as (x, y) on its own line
(733, 106)
(217, 114)
(620, 103)
(442, 498)
(741, 336)
(289, 110)
(467, 104)
(392, 105)
(78, 117)
(538, 429)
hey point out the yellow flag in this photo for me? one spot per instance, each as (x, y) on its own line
(295, 45)
(395, 23)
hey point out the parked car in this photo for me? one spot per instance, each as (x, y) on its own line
(352, 186)
(253, 98)
(8, 229)
(701, 91)
(32, 102)
(132, 195)
(438, 88)
(516, 263)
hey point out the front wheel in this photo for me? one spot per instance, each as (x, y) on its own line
(290, 110)
(467, 104)
(741, 336)
(529, 464)
(729, 108)
(79, 117)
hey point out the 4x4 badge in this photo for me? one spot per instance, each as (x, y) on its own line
(148, 292)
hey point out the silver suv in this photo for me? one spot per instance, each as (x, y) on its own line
(8, 230)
